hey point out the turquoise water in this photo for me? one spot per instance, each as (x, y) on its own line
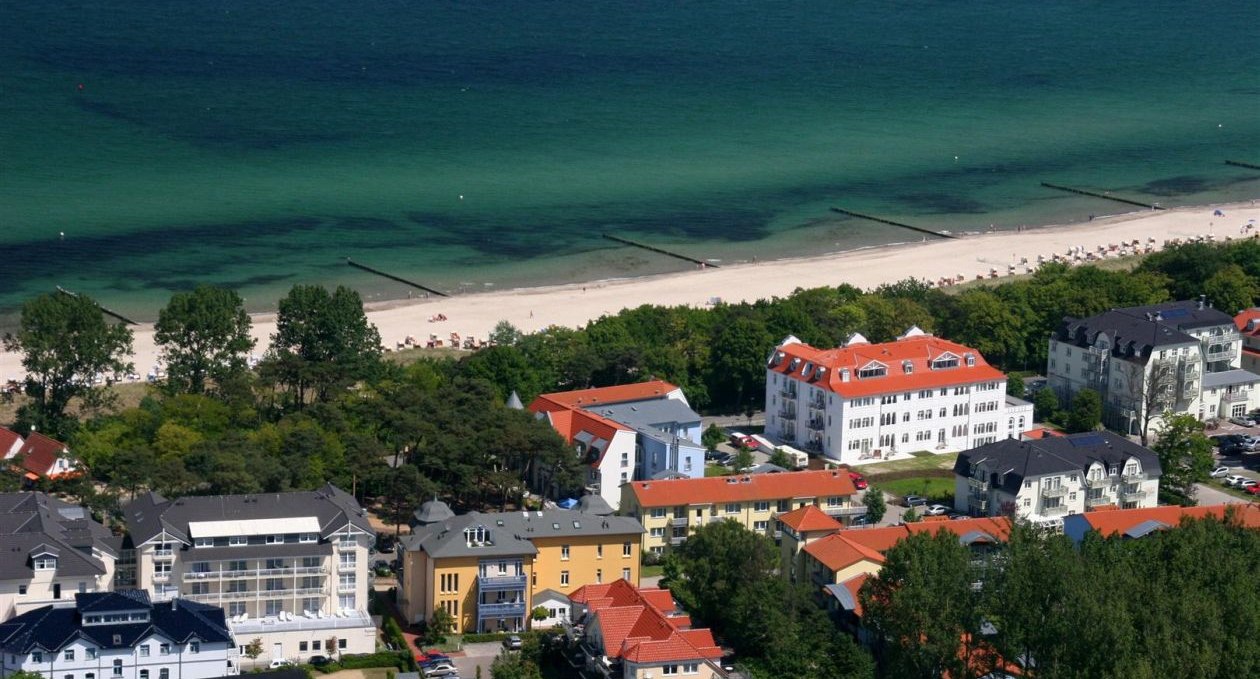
(470, 145)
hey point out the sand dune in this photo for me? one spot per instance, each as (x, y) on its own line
(574, 305)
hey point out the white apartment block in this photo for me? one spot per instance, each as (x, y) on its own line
(1179, 357)
(290, 569)
(53, 550)
(865, 402)
(1047, 479)
(119, 636)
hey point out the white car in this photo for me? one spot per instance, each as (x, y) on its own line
(935, 510)
(280, 662)
(1247, 483)
(1233, 480)
(1219, 472)
(443, 669)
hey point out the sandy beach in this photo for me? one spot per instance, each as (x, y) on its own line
(532, 309)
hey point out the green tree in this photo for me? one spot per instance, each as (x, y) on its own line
(779, 458)
(323, 342)
(1231, 290)
(514, 666)
(1046, 405)
(1185, 454)
(922, 607)
(203, 336)
(539, 614)
(505, 334)
(716, 562)
(876, 507)
(1086, 412)
(743, 459)
(1015, 385)
(441, 625)
(911, 515)
(330, 646)
(254, 649)
(712, 436)
(66, 344)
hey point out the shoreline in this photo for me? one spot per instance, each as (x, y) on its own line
(574, 304)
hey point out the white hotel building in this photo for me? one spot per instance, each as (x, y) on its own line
(865, 402)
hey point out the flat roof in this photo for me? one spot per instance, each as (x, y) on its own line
(223, 529)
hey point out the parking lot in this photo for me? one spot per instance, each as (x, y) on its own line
(1239, 461)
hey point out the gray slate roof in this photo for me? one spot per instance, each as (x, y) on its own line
(52, 628)
(1227, 378)
(1013, 461)
(511, 532)
(594, 504)
(151, 513)
(1135, 331)
(647, 417)
(433, 511)
(34, 521)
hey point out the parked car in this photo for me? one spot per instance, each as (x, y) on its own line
(862, 520)
(1233, 480)
(1243, 421)
(1254, 490)
(318, 660)
(1247, 483)
(512, 643)
(1222, 440)
(442, 669)
(430, 656)
(280, 662)
(858, 481)
(915, 501)
(936, 510)
(1219, 472)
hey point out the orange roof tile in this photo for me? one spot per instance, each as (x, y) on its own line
(7, 439)
(847, 547)
(802, 363)
(999, 527)
(1041, 433)
(1119, 521)
(637, 627)
(807, 519)
(39, 453)
(1244, 318)
(621, 393)
(837, 552)
(742, 488)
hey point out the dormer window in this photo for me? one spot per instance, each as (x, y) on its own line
(204, 542)
(306, 537)
(238, 540)
(275, 539)
(873, 369)
(945, 361)
(476, 536)
(46, 563)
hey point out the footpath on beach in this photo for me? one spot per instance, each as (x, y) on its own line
(467, 320)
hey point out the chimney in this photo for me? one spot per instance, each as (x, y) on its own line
(1202, 301)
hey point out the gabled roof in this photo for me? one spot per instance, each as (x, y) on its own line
(32, 523)
(52, 628)
(1009, 462)
(622, 393)
(512, 533)
(150, 514)
(10, 441)
(39, 453)
(1133, 332)
(807, 519)
(846, 593)
(1247, 321)
(595, 416)
(1139, 522)
(909, 363)
(637, 625)
(743, 488)
(848, 547)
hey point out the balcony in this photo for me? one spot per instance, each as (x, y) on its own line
(788, 392)
(163, 554)
(1097, 501)
(162, 577)
(274, 571)
(1134, 477)
(1097, 481)
(816, 423)
(500, 583)
(1218, 352)
(200, 575)
(310, 570)
(1132, 495)
(788, 414)
(845, 510)
(678, 521)
(344, 567)
(513, 609)
(675, 540)
(1056, 510)
(978, 485)
(307, 591)
(1053, 491)
(346, 587)
(1236, 396)
(788, 436)
(817, 403)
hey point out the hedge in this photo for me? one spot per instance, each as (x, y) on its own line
(495, 636)
(398, 660)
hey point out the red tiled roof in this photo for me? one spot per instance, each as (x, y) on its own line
(1118, 521)
(1041, 433)
(1244, 317)
(7, 439)
(809, 518)
(847, 547)
(584, 398)
(39, 453)
(920, 350)
(742, 488)
(854, 585)
(634, 625)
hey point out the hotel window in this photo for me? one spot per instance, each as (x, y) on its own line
(200, 588)
(564, 578)
(761, 526)
(194, 647)
(45, 564)
(275, 564)
(69, 654)
(762, 506)
(310, 562)
(117, 667)
(274, 607)
(164, 673)
(90, 653)
(238, 540)
(204, 542)
(347, 603)
(275, 539)
(732, 508)
(236, 608)
(341, 643)
(564, 552)
(303, 646)
(348, 558)
(22, 590)
(237, 566)
(164, 649)
(625, 574)
(658, 512)
(144, 650)
(599, 576)
(783, 506)
(306, 537)
(658, 532)
(599, 551)
(312, 604)
(625, 549)
(144, 674)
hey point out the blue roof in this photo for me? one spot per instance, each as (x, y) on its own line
(568, 503)
(1087, 440)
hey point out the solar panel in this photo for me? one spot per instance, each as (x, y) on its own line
(1087, 440)
(1174, 313)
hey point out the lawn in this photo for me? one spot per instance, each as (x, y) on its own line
(651, 571)
(931, 488)
(716, 470)
(921, 460)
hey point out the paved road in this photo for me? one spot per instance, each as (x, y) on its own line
(1207, 495)
(477, 655)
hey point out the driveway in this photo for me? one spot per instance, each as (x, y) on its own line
(476, 655)
(1207, 495)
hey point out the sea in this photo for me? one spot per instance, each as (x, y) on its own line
(147, 146)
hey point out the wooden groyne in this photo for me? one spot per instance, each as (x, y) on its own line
(881, 220)
(105, 311)
(392, 277)
(1239, 163)
(1104, 196)
(653, 248)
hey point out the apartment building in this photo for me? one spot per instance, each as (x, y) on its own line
(1047, 479)
(120, 635)
(290, 569)
(632, 633)
(1180, 357)
(491, 570)
(53, 550)
(627, 432)
(865, 402)
(1248, 323)
(671, 509)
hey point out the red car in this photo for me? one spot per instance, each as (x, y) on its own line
(1254, 490)
(858, 481)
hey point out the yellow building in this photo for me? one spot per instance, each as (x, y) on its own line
(490, 571)
(670, 509)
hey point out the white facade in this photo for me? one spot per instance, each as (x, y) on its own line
(155, 657)
(46, 586)
(616, 467)
(856, 408)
